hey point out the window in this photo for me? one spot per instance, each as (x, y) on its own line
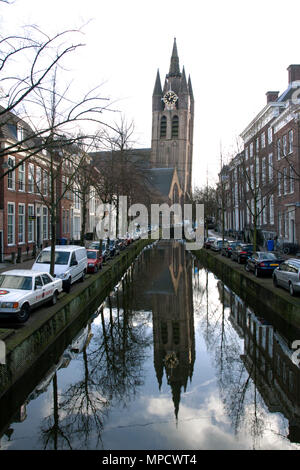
(10, 223)
(21, 133)
(278, 149)
(257, 145)
(284, 145)
(285, 180)
(38, 173)
(31, 178)
(252, 176)
(271, 204)
(263, 170)
(67, 222)
(251, 150)
(246, 153)
(270, 167)
(270, 135)
(21, 224)
(13, 130)
(291, 179)
(45, 183)
(264, 211)
(279, 184)
(21, 170)
(257, 172)
(163, 126)
(64, 221)
(175, 126)
(291, 136)
(263, 140)
(45, 223)
(38, 282)
(30, 223)
(46, 279)
(11, 175)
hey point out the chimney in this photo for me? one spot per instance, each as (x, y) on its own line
(272, 96)
(294, 73)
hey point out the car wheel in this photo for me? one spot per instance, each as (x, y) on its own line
(83, 276)
(291, 289)
(54, 298)
(95, 269)
(247, 268)
(23, 315)
(275, 282)
(256, 272)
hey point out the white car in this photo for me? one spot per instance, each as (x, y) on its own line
(21, 290)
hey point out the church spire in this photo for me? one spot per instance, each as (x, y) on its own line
(157, 86)
(174, 64)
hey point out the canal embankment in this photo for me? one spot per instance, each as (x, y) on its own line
(27, 343)
(258, 293)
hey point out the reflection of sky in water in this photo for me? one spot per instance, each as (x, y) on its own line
(147, 420)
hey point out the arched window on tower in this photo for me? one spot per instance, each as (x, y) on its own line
(163, 126)
(175, 126)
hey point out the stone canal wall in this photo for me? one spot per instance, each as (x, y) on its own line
(25, 345)
(258, 293)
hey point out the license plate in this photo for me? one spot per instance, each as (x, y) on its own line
(273, 264)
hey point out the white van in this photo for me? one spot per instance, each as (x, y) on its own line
(70, 263)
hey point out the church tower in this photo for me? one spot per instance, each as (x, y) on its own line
(173, 123)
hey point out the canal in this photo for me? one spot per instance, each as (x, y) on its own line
(172, 359)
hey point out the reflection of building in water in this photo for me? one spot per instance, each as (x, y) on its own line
(173, 319)
(268, 359)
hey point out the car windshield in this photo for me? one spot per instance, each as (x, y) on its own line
(91, 254)
(247, 247)
(267, 256)
(15, 282)
(61, 257)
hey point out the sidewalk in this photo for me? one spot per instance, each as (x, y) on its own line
(26, 264)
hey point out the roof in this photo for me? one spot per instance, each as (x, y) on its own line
(161, 179)
(136, 156)
(24, 272)
(64, 248)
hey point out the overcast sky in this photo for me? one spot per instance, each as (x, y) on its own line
(235, 51)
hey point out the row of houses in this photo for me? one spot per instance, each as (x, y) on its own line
(27, 185)
(260, 186)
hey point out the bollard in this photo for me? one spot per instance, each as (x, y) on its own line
(13, 257)
(34, 250)
(19, 257)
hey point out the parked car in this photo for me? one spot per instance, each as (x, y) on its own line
(70, 263)
(208, 242)
(94, 260)
(105, 252)
(217, 244)
(241, 252)
(287, 275)
(226, 250)
(22, 290)
(263, 262)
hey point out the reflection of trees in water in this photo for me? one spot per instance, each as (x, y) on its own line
(112, 371)
(243, 404)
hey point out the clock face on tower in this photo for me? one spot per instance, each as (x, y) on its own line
(170, 99)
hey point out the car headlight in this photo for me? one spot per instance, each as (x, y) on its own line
(63, 275)
(9, 304)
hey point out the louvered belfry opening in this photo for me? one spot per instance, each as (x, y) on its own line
(175, 126)
(163, 126)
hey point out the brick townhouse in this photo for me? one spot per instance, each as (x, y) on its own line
(25, 194)
(264, 178)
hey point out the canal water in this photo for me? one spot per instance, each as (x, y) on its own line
(172, 359)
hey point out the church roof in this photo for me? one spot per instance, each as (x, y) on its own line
(161, 179)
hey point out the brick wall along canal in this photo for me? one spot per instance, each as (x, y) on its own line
(172, 359)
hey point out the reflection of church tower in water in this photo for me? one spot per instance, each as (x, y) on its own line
(173, 319)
